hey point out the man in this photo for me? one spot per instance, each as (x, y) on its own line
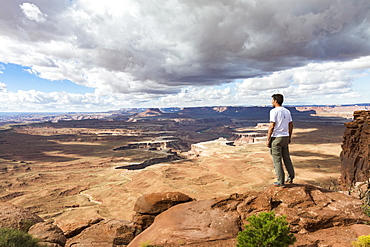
(278, 138)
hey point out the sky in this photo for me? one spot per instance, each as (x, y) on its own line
(93, 55)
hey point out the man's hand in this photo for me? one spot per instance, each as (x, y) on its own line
(269, 134)
(268, 143)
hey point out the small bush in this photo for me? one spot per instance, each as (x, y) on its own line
(363, 241)
(266, 230)
(16, 238)
(147, 244)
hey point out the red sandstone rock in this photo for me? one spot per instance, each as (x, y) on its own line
(309, 209)
(15, 217)
(48, 233)
(196, 221)
(107, 233)
(361, 229)
(75, 230)
(355, 155)
(156, 203)
(150, 205)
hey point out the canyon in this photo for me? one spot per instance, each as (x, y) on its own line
(74, 172)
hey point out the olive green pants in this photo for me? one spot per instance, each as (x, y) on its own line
(280, 153)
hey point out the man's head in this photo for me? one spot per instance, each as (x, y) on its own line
(278, 98)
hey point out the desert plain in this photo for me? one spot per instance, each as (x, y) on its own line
(66, 172)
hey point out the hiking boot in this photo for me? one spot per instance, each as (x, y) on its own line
(289, 181)
(276, 184)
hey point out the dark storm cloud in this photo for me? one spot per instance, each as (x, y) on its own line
(144, 46)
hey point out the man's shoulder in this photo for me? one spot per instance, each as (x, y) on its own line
(277, 109)
(286, 109)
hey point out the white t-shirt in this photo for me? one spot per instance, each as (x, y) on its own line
(281, 117)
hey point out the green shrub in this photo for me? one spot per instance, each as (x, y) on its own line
(147, 244)
(16, 238)
(363, 241)
(266, 230)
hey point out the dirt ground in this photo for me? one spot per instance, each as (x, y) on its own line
(71, 182)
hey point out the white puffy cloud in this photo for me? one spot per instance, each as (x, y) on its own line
(32, 12)
(156, 50)
(3, 87)
(308, 84)
(33, 100)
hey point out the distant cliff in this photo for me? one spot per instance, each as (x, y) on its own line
(355, 155)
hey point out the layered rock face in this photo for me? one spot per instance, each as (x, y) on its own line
(15, 217)
(312, 212)
(355, 154)
(318, 217)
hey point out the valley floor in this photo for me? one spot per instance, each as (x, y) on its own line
(72, 181)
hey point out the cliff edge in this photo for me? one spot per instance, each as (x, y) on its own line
(355, 154)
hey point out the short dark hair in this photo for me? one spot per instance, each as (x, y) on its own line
(279, 98)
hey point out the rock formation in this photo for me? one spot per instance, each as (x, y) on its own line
(248, 138)
(15, 217)
(317, 216)
(309, 209)
(48, 233)
(22, 219)
(107, 233)
(150, 112)
(148, 206)
(355, 155)
(149, 162)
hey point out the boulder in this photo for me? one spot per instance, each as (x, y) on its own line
(73, 230)
(191, 222)
(156, 203)
(309, 208)
(49, 234)
(150, 205)
(107, 233)
(15, 217)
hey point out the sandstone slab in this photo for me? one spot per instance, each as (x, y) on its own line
(107, 233)
(15, 217)
(310, 210)
(48, 234)
(197, 221)
(156, 203)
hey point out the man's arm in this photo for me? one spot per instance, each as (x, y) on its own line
(290, 131)
(269, 134)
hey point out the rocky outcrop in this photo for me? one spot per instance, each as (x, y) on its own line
(48, 233)
(149, 162)
(156, 145)
(150, 112)
(74, 231)
(197, 221)
(318, 217)
(334, 110)
(308, 209)
(355, 155)
(15, 217)
(147, 207)
(247, 138)
(107, 233)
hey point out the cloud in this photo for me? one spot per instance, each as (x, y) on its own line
(310, 84)
(33, 100)
(3, 87)
(32, 12)
(157, 49)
